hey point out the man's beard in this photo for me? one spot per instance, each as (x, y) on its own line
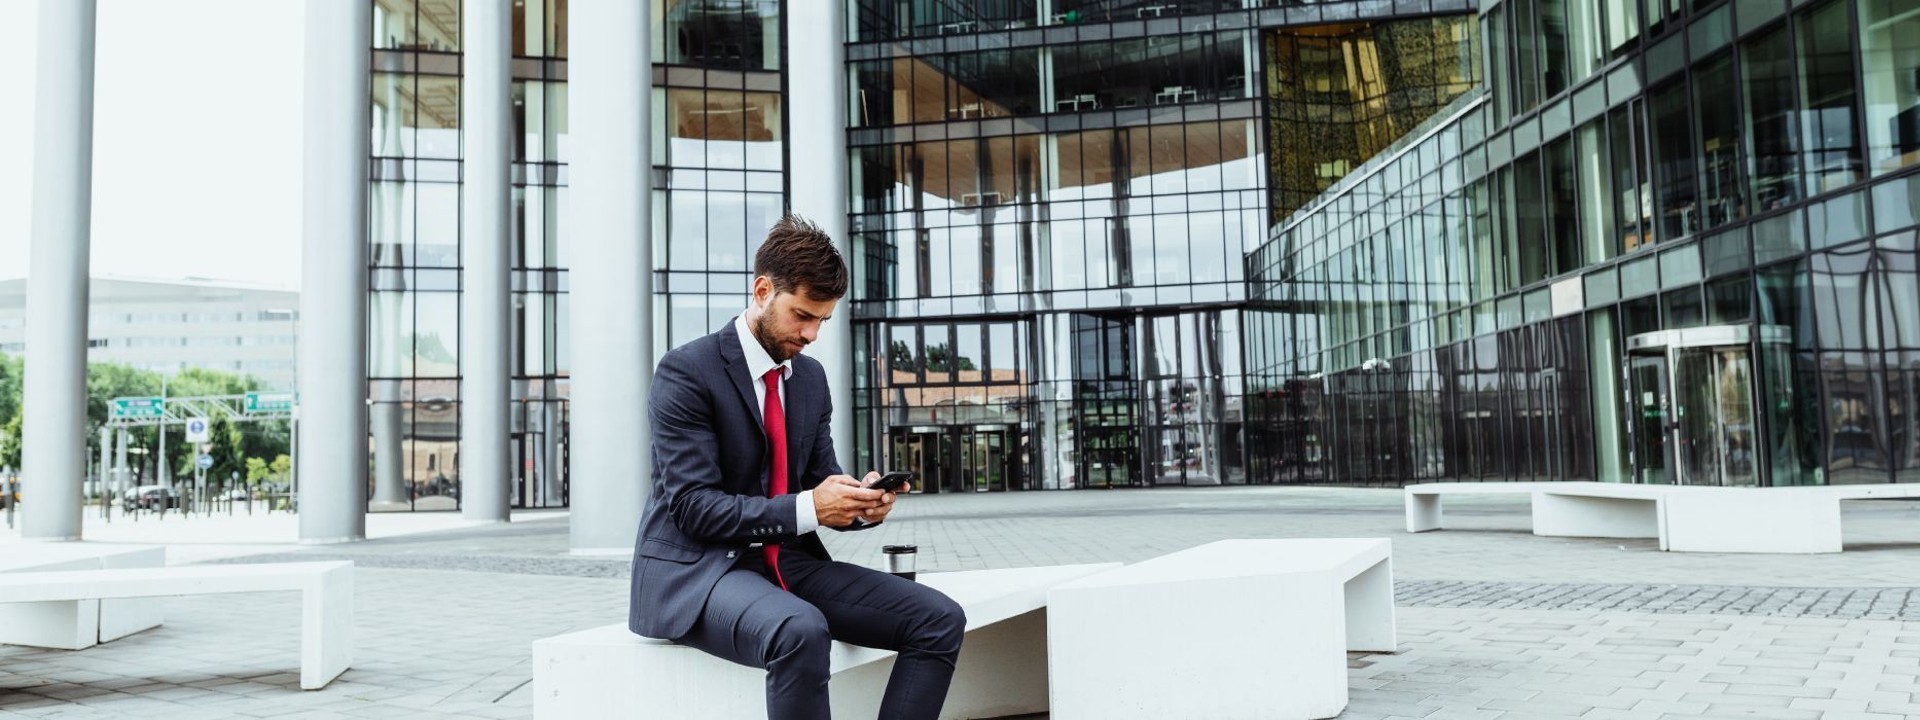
(762, 332)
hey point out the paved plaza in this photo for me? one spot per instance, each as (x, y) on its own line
(1494, 622)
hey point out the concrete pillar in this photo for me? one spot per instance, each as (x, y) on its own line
(611, 85)
(817, 179)
(486, 299)
(54, 429)
(333, 278)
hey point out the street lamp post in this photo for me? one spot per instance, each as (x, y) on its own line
(293, 422)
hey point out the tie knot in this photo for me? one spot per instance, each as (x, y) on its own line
(772, 377)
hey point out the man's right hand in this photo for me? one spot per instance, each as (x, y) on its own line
(840, 499)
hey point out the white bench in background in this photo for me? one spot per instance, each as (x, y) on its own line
(1685, 518)
(326, 602)
(77, 624)
(608, 672)
(1231, 629)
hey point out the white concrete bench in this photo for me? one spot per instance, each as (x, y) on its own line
(77, 624)
(1232, 629)
(326, 607)
(608, 672)
(1685, 518)
(1560, 509)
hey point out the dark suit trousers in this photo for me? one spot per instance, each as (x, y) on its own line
(750, 620)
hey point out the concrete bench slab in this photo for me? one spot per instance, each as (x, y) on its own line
(326, 607)
(1232, 629)
(1684, 518)
(608, 672)
(78, 624)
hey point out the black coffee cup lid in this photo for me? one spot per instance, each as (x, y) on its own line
(896, 549)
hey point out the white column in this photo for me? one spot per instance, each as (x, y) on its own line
(611, 83)
(485, 297)
(54, 430)
(817, 178)
(333, 273)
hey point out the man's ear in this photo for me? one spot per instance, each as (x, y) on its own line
(762, 291)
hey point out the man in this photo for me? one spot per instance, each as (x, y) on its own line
(743, 474)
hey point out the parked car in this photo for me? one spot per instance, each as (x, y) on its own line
(149, 497)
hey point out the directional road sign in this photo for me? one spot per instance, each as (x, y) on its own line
(259, 402)
(205, 461)
(138, 407)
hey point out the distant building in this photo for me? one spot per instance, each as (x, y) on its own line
(172, 325)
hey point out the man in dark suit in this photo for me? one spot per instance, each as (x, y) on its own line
(727, 559)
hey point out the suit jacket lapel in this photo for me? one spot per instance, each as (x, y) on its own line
(741, 376)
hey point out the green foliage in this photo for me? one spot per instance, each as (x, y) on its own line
(106, 381)
(10, 371)
(429, 347)
(940, 359)
(10, 443)
(259, 470)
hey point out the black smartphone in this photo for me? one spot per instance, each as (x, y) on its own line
(892, 481)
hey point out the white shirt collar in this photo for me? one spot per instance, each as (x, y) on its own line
(758, 361)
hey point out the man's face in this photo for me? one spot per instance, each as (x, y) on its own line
(787, 322)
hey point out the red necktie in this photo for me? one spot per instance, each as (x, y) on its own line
(776, 424)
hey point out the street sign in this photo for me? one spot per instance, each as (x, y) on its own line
(205, 461)
(138, 407)
(259, 402)
(197, 430)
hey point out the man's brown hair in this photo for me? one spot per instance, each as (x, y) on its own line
(799, 254)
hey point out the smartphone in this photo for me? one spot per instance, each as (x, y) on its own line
(892, 481)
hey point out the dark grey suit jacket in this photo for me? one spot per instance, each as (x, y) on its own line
(709, 497)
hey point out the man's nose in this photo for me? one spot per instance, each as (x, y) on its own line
(810, 331)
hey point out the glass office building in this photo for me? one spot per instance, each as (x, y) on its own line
(1669, 242)
(1109, 244)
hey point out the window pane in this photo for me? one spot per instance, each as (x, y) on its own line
(1674, 161)
(1722, 192)
(1890, 53)
(1767, 65)
(1827, 99)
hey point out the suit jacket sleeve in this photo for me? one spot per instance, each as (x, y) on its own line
(686, 462)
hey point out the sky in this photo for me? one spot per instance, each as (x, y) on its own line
(196, 153)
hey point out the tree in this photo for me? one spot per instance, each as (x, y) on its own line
(10, 443)
(223, 441)
(256, 470)
(10, 371)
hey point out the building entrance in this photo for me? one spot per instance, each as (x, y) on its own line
(1691, 405)
(964, 458)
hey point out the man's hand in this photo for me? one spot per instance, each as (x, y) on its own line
(840, 499)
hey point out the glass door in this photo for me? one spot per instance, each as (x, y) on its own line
(1714, 422)
(1647, 407)
(1694, 416)
(921, 451)
(983, 459)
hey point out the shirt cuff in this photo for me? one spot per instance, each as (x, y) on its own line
(805, 521)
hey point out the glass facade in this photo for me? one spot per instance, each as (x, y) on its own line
(1135, 244)
(718, 185)
(1669, 243)
(1048, 240)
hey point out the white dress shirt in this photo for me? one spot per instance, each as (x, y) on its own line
(758, 364)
